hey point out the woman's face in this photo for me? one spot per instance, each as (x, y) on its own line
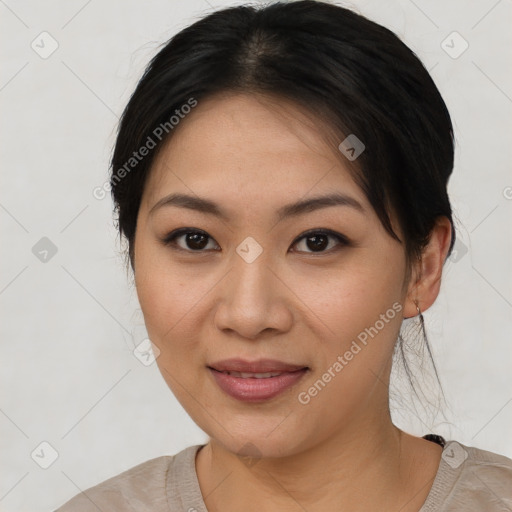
(251, 286)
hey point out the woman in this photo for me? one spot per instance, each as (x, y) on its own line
(280, 176)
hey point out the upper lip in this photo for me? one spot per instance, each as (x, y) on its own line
(258, 366)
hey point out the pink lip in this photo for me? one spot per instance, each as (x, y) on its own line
(253, 389)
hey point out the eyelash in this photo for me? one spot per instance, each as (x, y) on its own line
(170, 239)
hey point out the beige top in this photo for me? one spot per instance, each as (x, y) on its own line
(468, 479)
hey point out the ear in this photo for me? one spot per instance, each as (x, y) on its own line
(426, 282)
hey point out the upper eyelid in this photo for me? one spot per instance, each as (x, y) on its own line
(325, 231)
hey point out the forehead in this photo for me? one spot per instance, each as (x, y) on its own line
(250, 145)
(243, 114)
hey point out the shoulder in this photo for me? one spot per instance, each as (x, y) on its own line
(485, 465)
(132, 490)
(474, 479)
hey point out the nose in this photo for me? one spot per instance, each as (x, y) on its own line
(253, 300)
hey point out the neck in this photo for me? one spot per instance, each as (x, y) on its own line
(364, 468)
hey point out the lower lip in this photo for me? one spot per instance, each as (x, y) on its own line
(256, 390)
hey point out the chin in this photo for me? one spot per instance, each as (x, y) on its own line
(258, 444)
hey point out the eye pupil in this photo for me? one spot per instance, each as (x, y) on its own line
(317, 245)
(192, 240)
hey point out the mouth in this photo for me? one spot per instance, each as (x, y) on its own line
(261, 366)
(256, 381)
(250, 375)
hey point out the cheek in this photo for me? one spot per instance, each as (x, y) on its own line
(158, 290)
(168, 310)
(352, 296)
(166, 301)
(171, 297)
(357, 315)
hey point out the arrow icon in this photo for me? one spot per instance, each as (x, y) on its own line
(44, 455)
(249, 249)
(454, 45)
(352, 147)
(44, 250)
(44, 45)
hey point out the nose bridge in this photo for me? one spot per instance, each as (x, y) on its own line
(250, 301)
(250, 274)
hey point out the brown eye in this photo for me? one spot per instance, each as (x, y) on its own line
(188, 239)
(318, 241)
(314, 241)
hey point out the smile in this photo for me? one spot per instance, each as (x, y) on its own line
(256, 387)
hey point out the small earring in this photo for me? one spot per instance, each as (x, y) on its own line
(417, 309)
(422, 322)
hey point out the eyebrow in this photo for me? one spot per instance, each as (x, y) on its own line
(290, 210)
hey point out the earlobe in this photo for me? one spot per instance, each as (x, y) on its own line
(418, 310)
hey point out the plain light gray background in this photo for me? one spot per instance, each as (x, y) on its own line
(70, 323)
